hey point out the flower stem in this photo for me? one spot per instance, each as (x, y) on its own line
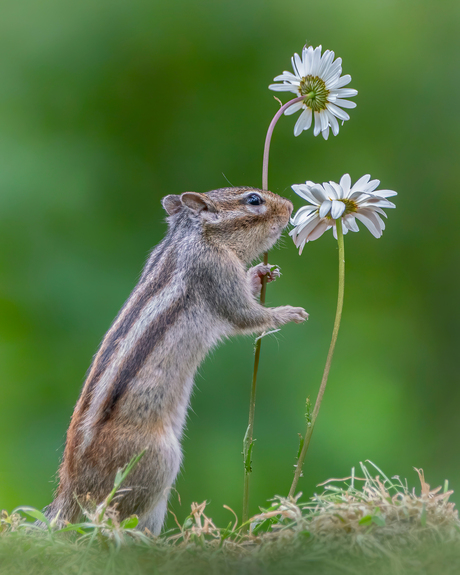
(268, 138)
(248, 442)
(335, 331)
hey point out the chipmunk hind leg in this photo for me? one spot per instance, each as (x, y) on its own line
(154, 519)
(149, 483)
(64, 509)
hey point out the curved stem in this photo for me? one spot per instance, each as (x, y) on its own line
(327, 367)
(268, 138)
(248, 441)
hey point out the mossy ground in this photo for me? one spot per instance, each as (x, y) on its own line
(358, 525)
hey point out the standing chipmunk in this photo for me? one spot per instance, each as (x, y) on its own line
(194, 291)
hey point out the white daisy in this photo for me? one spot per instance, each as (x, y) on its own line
(318, 79)
(331, 201)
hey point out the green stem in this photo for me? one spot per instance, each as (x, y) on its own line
(327, 367)
(248, 442)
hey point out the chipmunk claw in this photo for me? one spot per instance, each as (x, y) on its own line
(287, 313)
(257, 272)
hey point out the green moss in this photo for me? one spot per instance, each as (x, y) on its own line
(357, 525)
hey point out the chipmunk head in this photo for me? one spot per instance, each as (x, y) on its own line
(246, 220)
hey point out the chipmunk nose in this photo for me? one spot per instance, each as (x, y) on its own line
(290, 206)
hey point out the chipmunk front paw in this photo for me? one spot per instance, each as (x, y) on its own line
(287, 313)
(258, 272)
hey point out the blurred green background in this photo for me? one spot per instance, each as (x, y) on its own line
(107, 106)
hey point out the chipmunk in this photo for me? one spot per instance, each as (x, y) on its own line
(195, 290)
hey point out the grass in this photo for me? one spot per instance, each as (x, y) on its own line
(361, 525)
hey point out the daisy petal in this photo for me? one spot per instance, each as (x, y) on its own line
(369, 225)
(303, 122)
(358, 197)
(300, 226)
(371, 186)
(299, 234)
(303, 235)
(333, 122)
(299, 65)
(319, 193)
(343, 81)
(326, 61)
(345, 184)
(283, 88)
(381, 222)
(289, 77)
(337, 209)
(334, 70)
(302, 213)
(324, 120)
(316, 61)
(351, 223)
(317, 128)
(346, 92)
(330, 190)
(318, 231)
(325, 208)
(337, 111)
(387, 193)
(370, 220)
(307, 60)
(345, 103)
(378, 202)
(361, 183)
(293, 108)
(338, 190)
(308, 115)
(304, 192)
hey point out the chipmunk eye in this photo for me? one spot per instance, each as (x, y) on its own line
(254, 200)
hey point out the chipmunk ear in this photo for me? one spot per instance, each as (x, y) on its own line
(171, 204)
(198, 202)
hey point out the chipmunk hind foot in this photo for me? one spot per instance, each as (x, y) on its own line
(154, 519)
(61, 511)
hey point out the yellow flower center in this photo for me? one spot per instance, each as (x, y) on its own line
(315, 92)
(350, 207)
